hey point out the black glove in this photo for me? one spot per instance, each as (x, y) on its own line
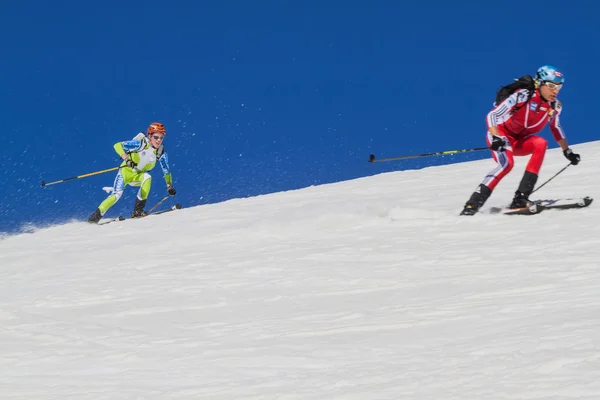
(574, 158)
(130, 163)
(171, 190)
(498, 143)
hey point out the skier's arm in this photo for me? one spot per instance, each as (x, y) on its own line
(560, 137)
(557, 130)
(559, 134)
(494, 130)
(563, 144)
(502, 112)
(129, 146)
(164, 165)
(123, 149)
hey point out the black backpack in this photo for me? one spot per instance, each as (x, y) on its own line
(524, 82)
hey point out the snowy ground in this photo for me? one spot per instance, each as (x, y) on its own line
(365, 289)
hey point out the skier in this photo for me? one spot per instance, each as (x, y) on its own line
(139, 156)
(512, 128)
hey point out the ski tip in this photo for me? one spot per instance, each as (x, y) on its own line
(43, 183)
(371, 158)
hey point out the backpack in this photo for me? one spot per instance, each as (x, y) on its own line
(524, 82)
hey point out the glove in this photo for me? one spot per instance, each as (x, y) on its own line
(498, 143)
(171, 190)
(574, 158)
(130, 163)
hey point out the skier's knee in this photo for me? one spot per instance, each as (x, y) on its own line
(145, 188)
(118, 194)
(510, 163)
(540, 144)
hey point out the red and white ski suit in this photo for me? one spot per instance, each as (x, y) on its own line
(519, 127)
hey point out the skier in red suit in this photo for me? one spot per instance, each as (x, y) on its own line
(512, 128)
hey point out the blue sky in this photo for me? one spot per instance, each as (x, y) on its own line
(266, 96)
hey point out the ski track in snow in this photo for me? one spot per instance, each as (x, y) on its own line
(366, 289)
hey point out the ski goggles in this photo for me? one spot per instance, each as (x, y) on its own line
(553, 86)
(158, 137)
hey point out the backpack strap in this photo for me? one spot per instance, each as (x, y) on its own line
(529, 96)
(159, 152)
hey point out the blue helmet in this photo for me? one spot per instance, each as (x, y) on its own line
(549, 73)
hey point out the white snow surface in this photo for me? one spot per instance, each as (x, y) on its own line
(372, 288)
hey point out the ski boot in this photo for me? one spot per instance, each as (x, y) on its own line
(138, 208)
(521, 199)
(95, 217)
(478, 198)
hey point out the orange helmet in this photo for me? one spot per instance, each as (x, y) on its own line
(156, 127)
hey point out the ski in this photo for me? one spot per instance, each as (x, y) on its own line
(538, 206)
(530, 210)
(564, 204)
(105, 221)
(175, 207)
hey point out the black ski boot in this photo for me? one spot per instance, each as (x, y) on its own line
(95, 217)
(521, 199)
(138, 208)
(477, 199)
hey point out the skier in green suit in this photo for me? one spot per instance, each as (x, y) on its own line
(139, 156)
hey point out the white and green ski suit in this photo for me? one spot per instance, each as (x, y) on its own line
(142, 153)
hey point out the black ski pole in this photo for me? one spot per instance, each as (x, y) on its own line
(373, 159)
(158, 204)
(554, 176)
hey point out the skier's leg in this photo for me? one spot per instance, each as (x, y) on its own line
(536, 146)
(145, 187)
(117, 192)
(505, 161)
(144, 181)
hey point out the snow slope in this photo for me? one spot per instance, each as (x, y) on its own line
(373, 288)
